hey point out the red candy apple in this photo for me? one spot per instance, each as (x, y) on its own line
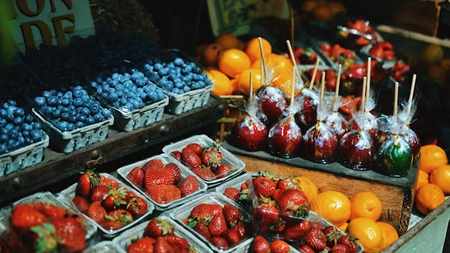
(272, 102)
(284, 138)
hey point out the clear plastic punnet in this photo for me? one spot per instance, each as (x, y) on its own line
(104, 247)
(241, 184)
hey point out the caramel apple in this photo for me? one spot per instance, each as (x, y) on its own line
(395, 156)
(307, 101)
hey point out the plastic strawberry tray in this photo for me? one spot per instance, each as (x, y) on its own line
(248, 247)
(69, 193)
(104, 247)
(23, 157)
(185, 172)
(236, 183)
(237, 164)
(182, 212)
(124, 239)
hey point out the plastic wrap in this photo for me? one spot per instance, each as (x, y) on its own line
(366, 120)
(284, 138)
(272, 102)
(307, 102)
(405, 118)
(395, 156)
(335, 121)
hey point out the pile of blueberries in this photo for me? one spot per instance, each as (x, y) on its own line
(17, 129)
(71, 108)
(126, 89)
(176, 76)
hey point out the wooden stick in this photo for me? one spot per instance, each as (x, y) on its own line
(322, 90)
(250, 97)
(263, 77)
(294, 63)
(411, 94)
(369, 70)
(363, 96)
(395, 102)
(293, 89)
(263, 60)
(338, 82)
(314, 73)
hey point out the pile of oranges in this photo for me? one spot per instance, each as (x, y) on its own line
(433, 179)
(229, 62)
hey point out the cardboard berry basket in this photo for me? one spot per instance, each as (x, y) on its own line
(185, 172)
(104, 247)
(46, 198)
(228, 158)
(69, 193)
(126, 238)
(179, 214)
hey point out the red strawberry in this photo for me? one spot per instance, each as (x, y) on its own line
(111, 224)
(204, 173)
(278, 226)
(244, 186)
(81, 203)
(232, 236)
(203, 230)
(176, 172)
(204, 212)
(178, 244)
(164, 194)
(294, 202)
(137, 206)
(266, 212)
(162, 246)
(188, 186)
(49, 210)
(108, 182)
(177, 155)
(243, 228)
(217, 225)
(158, 227)
(99, 193)
(114, 199)
(154, 163)
(136, 176)
(121, 215)
(157, 176)
(223, 170)
(263, 187)
(350, 241)
(25, 217)
(316, 239)
(212, 157)
(71, 234)
(190, 158)
(279, 246)
(260, 245)
(96, 212)
(197, 148)
(316, 224)
(142, 245)
(277, 194)
(340, 248)
(232, 193)
(305, 248)
(288, 183)
(333, 235)
(232, 215)
(297, 231)
(86, 182)
(220, 243)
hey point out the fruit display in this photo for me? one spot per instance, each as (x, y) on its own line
(305, 56)
(272, 102)
(307, 101)
(164, 181)
(217, 221)
(330, 78)
(338, 54)
(357, 150)
(237, 190)
(261, 244)
(284, 138)
(382, 51)
(107, 202)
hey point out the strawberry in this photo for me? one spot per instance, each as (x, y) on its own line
(266, 211)
(142, 245)
(42, 237)
(111, 224)
(278, 226)
(333, 235)
(232, 215)
(243, 228)
(178, 244)
(197, 148)
(232, 193)
(96, 212)
(223, 170)
(263, 187)
(162, 246)
(164, 194)
(217, 225)
(177, 155)
(157, 176)
(212, 157)
(71, 234)
(350, 241)
(81, 203)
(244, 186)
(99, 193)
(23, 217)
(154, 163)
(340, 248)
(204, 213)
(305, 248)
(316, 224)
(49, 210)
(288, 183)
(158, 227)
(176, 172)
(121, 215)
(203, 230)
(190, 158)
(86, 182)
(137, 206)
(188, 186)
(260, 245)
(220, 243)
(279, 246)
(232, 236)
(204, 173)
(296, 231)
(114, 199)
(294, 202)
(277, 194)
(316, 239)
(136, 176)
(111, 183)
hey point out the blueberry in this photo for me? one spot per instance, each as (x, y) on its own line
(4, 138)
(94, 108)
(21, 140)
(98, 79)
(186, 88)
(76, 88)
(178, 62)
(37, 125)
(29, 118)
(79, 124)
(63, 125)
(65, 116)
(90, 120)
(56, 113)
(26, 133)
(46, 94)
(106, 113)
(12, 144)
(3, 113)
(68, 95)
(3, 148)
(202, 84)
(85, 98)
(143, 95)
(115, 75)
(72, 108)
(158, 66)
(126, 76)
(78, 93)
(113, 96)
(186, 70)
(85, 111)
(177, 91)
(98, 117)
(18, 121)
(178, 83)
(73, 119)
(12, 102)
(78, 102)
(81, 117)
(141, 82)
(70, 127)
(11, 109)
(36, 135)
(51, 101)
(3, 122)
(163, 71)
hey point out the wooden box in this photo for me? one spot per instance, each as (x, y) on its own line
(396, 194)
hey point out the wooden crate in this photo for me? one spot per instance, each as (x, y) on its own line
(396, 194)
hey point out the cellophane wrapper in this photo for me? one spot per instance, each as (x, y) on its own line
(395, 156)
(285, 137)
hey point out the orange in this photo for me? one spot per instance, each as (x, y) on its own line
(431, 157)
(210, 54)
(233, 61)
(390, 235)
(436, 74)
(333, 206)
(309, 188)
(243, 80)
(368, 232)
(228, 40)
(253, 50)
(309, 5)
(344, 226)
(322, 13)
(432, 55)
(337, 7)
(222, 84)
(428, 198)
(441, 178)
(280, 61)
(422, 179)
(445, 64)
(366, 205)
(282, 78)
(235, 85)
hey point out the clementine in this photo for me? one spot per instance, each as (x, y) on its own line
(422, 179)
(309, 5)
(210, 54)
(253, 49)
(282, 78)
(228, 40)
(390, 235)
(233, 61)
(309, 188)
(441, 178)
(222, 84)
(428, 198)
(431, 157)
(344, 226)
(333, 206)
(366, 205)
(322, 13)
(368, 232)
(243, 80)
